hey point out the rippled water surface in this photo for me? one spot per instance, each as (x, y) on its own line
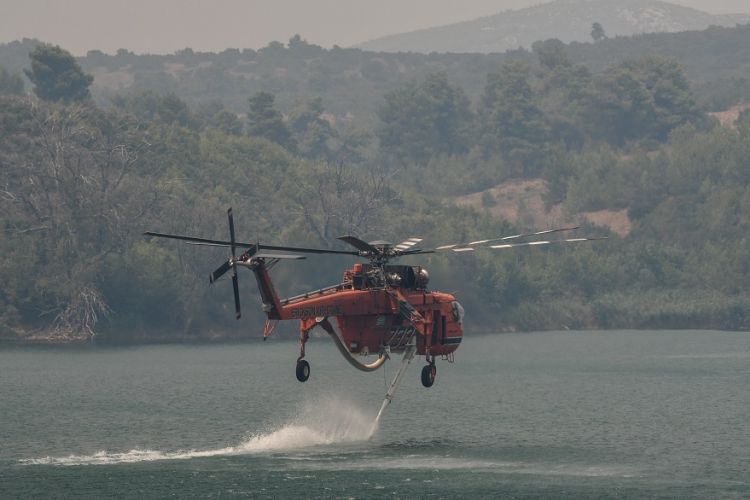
(558, 414)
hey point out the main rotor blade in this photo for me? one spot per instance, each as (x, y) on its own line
(205, 244)
(359, 244)
(219, 272)
(287, 256)
(236, 287)
(193, 239)
(507, 245)
(224, 243)
(305, 250)
(460, 247)
(418, 251)
(407, 244)
(547, 242)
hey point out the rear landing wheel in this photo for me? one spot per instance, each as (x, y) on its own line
(428, 375)
(303, 370)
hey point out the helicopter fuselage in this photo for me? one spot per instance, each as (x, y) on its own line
(370, 320)
(376, 309)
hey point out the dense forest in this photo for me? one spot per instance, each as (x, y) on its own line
(627, 151)
(352, 82)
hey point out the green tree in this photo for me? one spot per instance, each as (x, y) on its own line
(311, 131)
(9, 83)
(149, 106)
(213, 114)
(351, 146)
(424, 119)
(300, 47)
(551, 53)
(56, 75)
(510, 121)
(264, 120)
(563, 92)
(597, 32)
(227, 122)
(643, 98)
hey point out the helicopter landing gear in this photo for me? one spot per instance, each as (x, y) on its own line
(303, 367)
(428, 374)
(303, 370)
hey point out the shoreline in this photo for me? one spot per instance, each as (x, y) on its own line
(227, 338)
(48, 338)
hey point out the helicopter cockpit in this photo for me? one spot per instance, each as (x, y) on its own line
(457, 311)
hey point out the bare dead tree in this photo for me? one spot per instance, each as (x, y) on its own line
(339, 200)
(72, 186)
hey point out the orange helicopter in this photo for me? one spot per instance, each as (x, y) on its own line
(379, 308)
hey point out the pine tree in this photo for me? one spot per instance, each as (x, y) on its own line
(57, 76)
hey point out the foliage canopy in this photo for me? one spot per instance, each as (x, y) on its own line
(56, 75)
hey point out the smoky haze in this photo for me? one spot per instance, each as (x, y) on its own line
(145, 26)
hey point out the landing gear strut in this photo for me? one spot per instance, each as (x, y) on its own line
(428, 374)
(303, 367)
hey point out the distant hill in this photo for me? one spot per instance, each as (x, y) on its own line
(567, 20)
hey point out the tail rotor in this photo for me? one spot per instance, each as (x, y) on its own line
(230, 264)
(235, 281)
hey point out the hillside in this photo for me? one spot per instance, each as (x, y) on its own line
(352, 82)
(567, 20)
(522, 202)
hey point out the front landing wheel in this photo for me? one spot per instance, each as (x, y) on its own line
(303, 370)
(428, 375)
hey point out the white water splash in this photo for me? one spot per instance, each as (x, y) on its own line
(327, 423)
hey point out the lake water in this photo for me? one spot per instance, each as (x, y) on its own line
(560, 415)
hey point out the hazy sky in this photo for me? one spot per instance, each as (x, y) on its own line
(163, 26)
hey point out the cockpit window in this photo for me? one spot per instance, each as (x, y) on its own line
(458, 312)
